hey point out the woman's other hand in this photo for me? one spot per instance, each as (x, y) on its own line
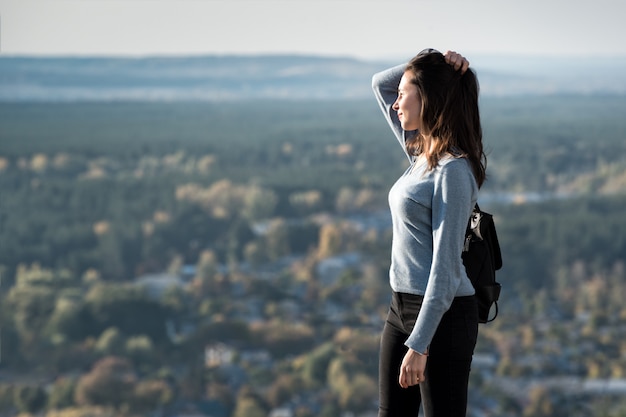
(412, 369)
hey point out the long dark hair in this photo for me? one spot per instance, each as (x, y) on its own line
(450, 119)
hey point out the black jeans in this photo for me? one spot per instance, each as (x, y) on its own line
(444, 391)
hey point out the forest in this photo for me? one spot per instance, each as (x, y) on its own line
(230, 259)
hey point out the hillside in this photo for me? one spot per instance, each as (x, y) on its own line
(215, 78)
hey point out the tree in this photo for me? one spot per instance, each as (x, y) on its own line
(70, 320)
(110, 252)
(330, 408)
(150, 395)
(374, 288)
(306, 202)
(175, 265)
(11, 343)
(29, 399)
(259, 203)
(110, 342)
(220, 391)
(32, 307)
(277, 239)
(330, 241)
(255, 253)
(283, 389)
(207, 281)
(304, 411)
(339, 373)
(36, 275)
(539, 403)
(7, 397)
(127, 308)
(140, 349)
(355, 389)
(345, 200)
(110, 383)
(83, 412)
(359, 394)
(282, 338)
(61, 394)
(315, 365)
(249, 405)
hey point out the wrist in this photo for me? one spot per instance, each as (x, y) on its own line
(420, 353)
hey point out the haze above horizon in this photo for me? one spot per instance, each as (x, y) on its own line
(365, 29)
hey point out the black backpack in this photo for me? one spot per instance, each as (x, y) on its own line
(482, 258)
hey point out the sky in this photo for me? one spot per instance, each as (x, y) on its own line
(367, 29)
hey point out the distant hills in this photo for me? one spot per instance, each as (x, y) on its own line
(292, 77)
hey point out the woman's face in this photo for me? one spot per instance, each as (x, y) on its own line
(408, 104)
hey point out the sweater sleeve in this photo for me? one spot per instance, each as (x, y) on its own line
(385, 85)
(452, 203)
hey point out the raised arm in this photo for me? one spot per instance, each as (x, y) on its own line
(385, 86)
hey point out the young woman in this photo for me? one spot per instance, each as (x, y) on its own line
(429, 336)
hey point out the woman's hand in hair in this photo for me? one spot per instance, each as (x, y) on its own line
(457, 61)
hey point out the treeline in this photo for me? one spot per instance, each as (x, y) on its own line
(69, 167)
(539, 240)
(534, 143)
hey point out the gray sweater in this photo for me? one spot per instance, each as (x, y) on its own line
(429, 211)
